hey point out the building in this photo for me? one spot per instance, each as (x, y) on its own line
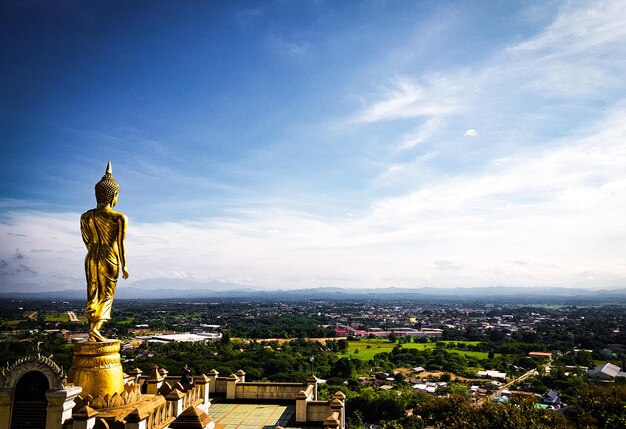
(186, 337)
(551, 397)
(35, 393)
(492, 374)
(606, 372)
(547, 355)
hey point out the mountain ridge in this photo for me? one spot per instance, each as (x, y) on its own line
(217, 289)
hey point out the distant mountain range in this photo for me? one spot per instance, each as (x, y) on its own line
(185, 289)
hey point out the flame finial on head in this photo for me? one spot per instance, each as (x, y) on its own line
(107, 187)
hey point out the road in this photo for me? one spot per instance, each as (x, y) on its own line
(519, 379)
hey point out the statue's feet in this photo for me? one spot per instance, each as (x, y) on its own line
(95, 336)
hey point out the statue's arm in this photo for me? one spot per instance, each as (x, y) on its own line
(121, 239)
(85, 230)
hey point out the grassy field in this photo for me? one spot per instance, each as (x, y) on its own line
(367, 348)
(57, 317)
(63, 317)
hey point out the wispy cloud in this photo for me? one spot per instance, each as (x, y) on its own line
(581, 54)
(553, 83)
(421, 134)
(560, 211)
(408, 99)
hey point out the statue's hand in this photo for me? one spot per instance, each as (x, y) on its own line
(124, 273)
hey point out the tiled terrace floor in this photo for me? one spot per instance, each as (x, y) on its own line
(253, 416)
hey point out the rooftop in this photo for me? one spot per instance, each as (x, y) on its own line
(253, 416)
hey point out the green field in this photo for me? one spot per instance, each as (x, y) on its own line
(367, 348)
(57, 317)
(63, 317)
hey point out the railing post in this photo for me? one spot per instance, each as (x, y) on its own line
(137, 420)
(212, 380)
(231, 386)
(312, 380)
(332, 422)
(338, 406)
(60, 405)
(175, 398)
(154, 381)
(204, 383)
(301, 404)
(193, 417)
(85, 418)
(242, 375)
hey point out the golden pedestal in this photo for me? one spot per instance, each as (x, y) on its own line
(96, 368)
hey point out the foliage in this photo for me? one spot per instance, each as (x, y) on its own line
(371, 405)
(600, 407)
(53, 345)
(280, 326)
(457, 411)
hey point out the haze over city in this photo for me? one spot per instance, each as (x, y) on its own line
(311, 144)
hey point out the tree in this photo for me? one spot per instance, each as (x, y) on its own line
(344, 368)
(342, 345)
(458, 412)
(600, 407)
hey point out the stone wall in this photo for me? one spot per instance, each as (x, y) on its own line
(317, 411)
(268, 391)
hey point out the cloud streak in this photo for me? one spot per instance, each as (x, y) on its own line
(560, 211)
(407, 99)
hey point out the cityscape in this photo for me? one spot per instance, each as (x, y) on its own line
(476, 354)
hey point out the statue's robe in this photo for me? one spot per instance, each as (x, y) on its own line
(102, 233)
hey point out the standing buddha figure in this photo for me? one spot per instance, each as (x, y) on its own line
(104, 231)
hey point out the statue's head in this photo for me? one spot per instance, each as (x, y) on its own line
(107, 188)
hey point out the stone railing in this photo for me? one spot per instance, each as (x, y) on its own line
(235, 387)
(331, 414)
(267, 391)
(156, 409)
(309, 411)
(182, 396)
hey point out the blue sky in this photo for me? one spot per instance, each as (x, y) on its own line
(300, 144)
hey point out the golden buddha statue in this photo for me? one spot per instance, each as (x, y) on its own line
(104, 231)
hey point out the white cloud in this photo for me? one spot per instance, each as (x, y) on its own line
(554, 83)
(407, 99)
(554, 217)
(422, 134)
(581, 54)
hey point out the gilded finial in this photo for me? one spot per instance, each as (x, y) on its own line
(109, 169)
